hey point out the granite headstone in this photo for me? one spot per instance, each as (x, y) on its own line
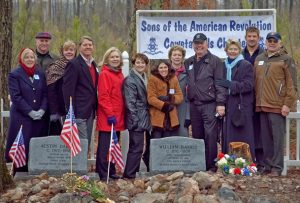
(177, 154)
(51, 155)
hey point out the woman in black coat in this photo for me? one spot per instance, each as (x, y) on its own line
(137, 118)
(54, 76)
(239, 81)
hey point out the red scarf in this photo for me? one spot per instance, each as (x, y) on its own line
(28, 70)
(179, 70)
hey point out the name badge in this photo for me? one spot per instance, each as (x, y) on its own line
(171, 91)
(191, 67)
(260, 63)
(36, 77)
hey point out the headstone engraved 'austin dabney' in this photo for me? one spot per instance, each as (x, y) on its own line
(51, 155)
(177, 154)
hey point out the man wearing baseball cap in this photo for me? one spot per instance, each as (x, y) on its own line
(275, 88)
(44, 57)
(207, 99)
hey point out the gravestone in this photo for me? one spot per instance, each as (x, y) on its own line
(51, 155)
(177, 154)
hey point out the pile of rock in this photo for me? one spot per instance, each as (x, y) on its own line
(176, 187)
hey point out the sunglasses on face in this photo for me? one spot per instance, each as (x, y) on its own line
(272, 41)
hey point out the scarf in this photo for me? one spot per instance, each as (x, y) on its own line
(56, 70)
(28, 70)
(229, 65)
(179, 71)
(142, 76)
(114, 69)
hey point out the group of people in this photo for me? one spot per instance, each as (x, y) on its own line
(250, 93)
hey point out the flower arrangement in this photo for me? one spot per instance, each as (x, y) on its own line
(84, 186)
(231, 164)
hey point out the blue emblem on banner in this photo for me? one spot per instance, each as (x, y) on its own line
(261, 42)
(152, 47)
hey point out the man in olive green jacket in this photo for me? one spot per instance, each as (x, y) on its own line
(275, 89)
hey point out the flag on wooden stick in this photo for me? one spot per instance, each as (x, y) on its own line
(69, 134)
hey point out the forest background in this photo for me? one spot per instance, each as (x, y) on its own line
(112, 22)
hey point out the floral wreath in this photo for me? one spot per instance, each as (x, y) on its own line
(231, 164)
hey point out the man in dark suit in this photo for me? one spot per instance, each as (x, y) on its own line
(80, 83)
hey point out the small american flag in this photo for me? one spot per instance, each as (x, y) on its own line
(69, 134)
(17, 151)
(116, 153)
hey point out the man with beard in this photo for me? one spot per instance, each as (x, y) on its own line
(250, 52)
(252, 49)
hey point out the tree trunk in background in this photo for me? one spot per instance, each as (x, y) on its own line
(253, 4)
(279, 5)
(49, 11)
(128, 12)
(291, 9)
(260, 4)
(28, 4)
(132, 30)
(5, 63)
(78, 8)
(226, 4)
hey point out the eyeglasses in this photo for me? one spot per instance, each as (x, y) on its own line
(272, 41)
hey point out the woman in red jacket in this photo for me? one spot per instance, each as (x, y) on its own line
(110, 108)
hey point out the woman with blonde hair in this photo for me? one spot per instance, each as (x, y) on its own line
(238, 79)
(54, 76)
(110, 108)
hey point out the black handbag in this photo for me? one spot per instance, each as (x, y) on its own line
(238, 118)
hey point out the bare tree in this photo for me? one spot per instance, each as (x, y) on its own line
(78, 8)
(291, 9)
(128, 12)
(5, 63)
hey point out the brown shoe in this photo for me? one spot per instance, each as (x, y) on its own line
(274, 174)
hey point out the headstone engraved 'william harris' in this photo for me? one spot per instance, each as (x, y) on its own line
(51, 155)
(177, 154)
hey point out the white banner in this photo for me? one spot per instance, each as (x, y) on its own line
(157, 34)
